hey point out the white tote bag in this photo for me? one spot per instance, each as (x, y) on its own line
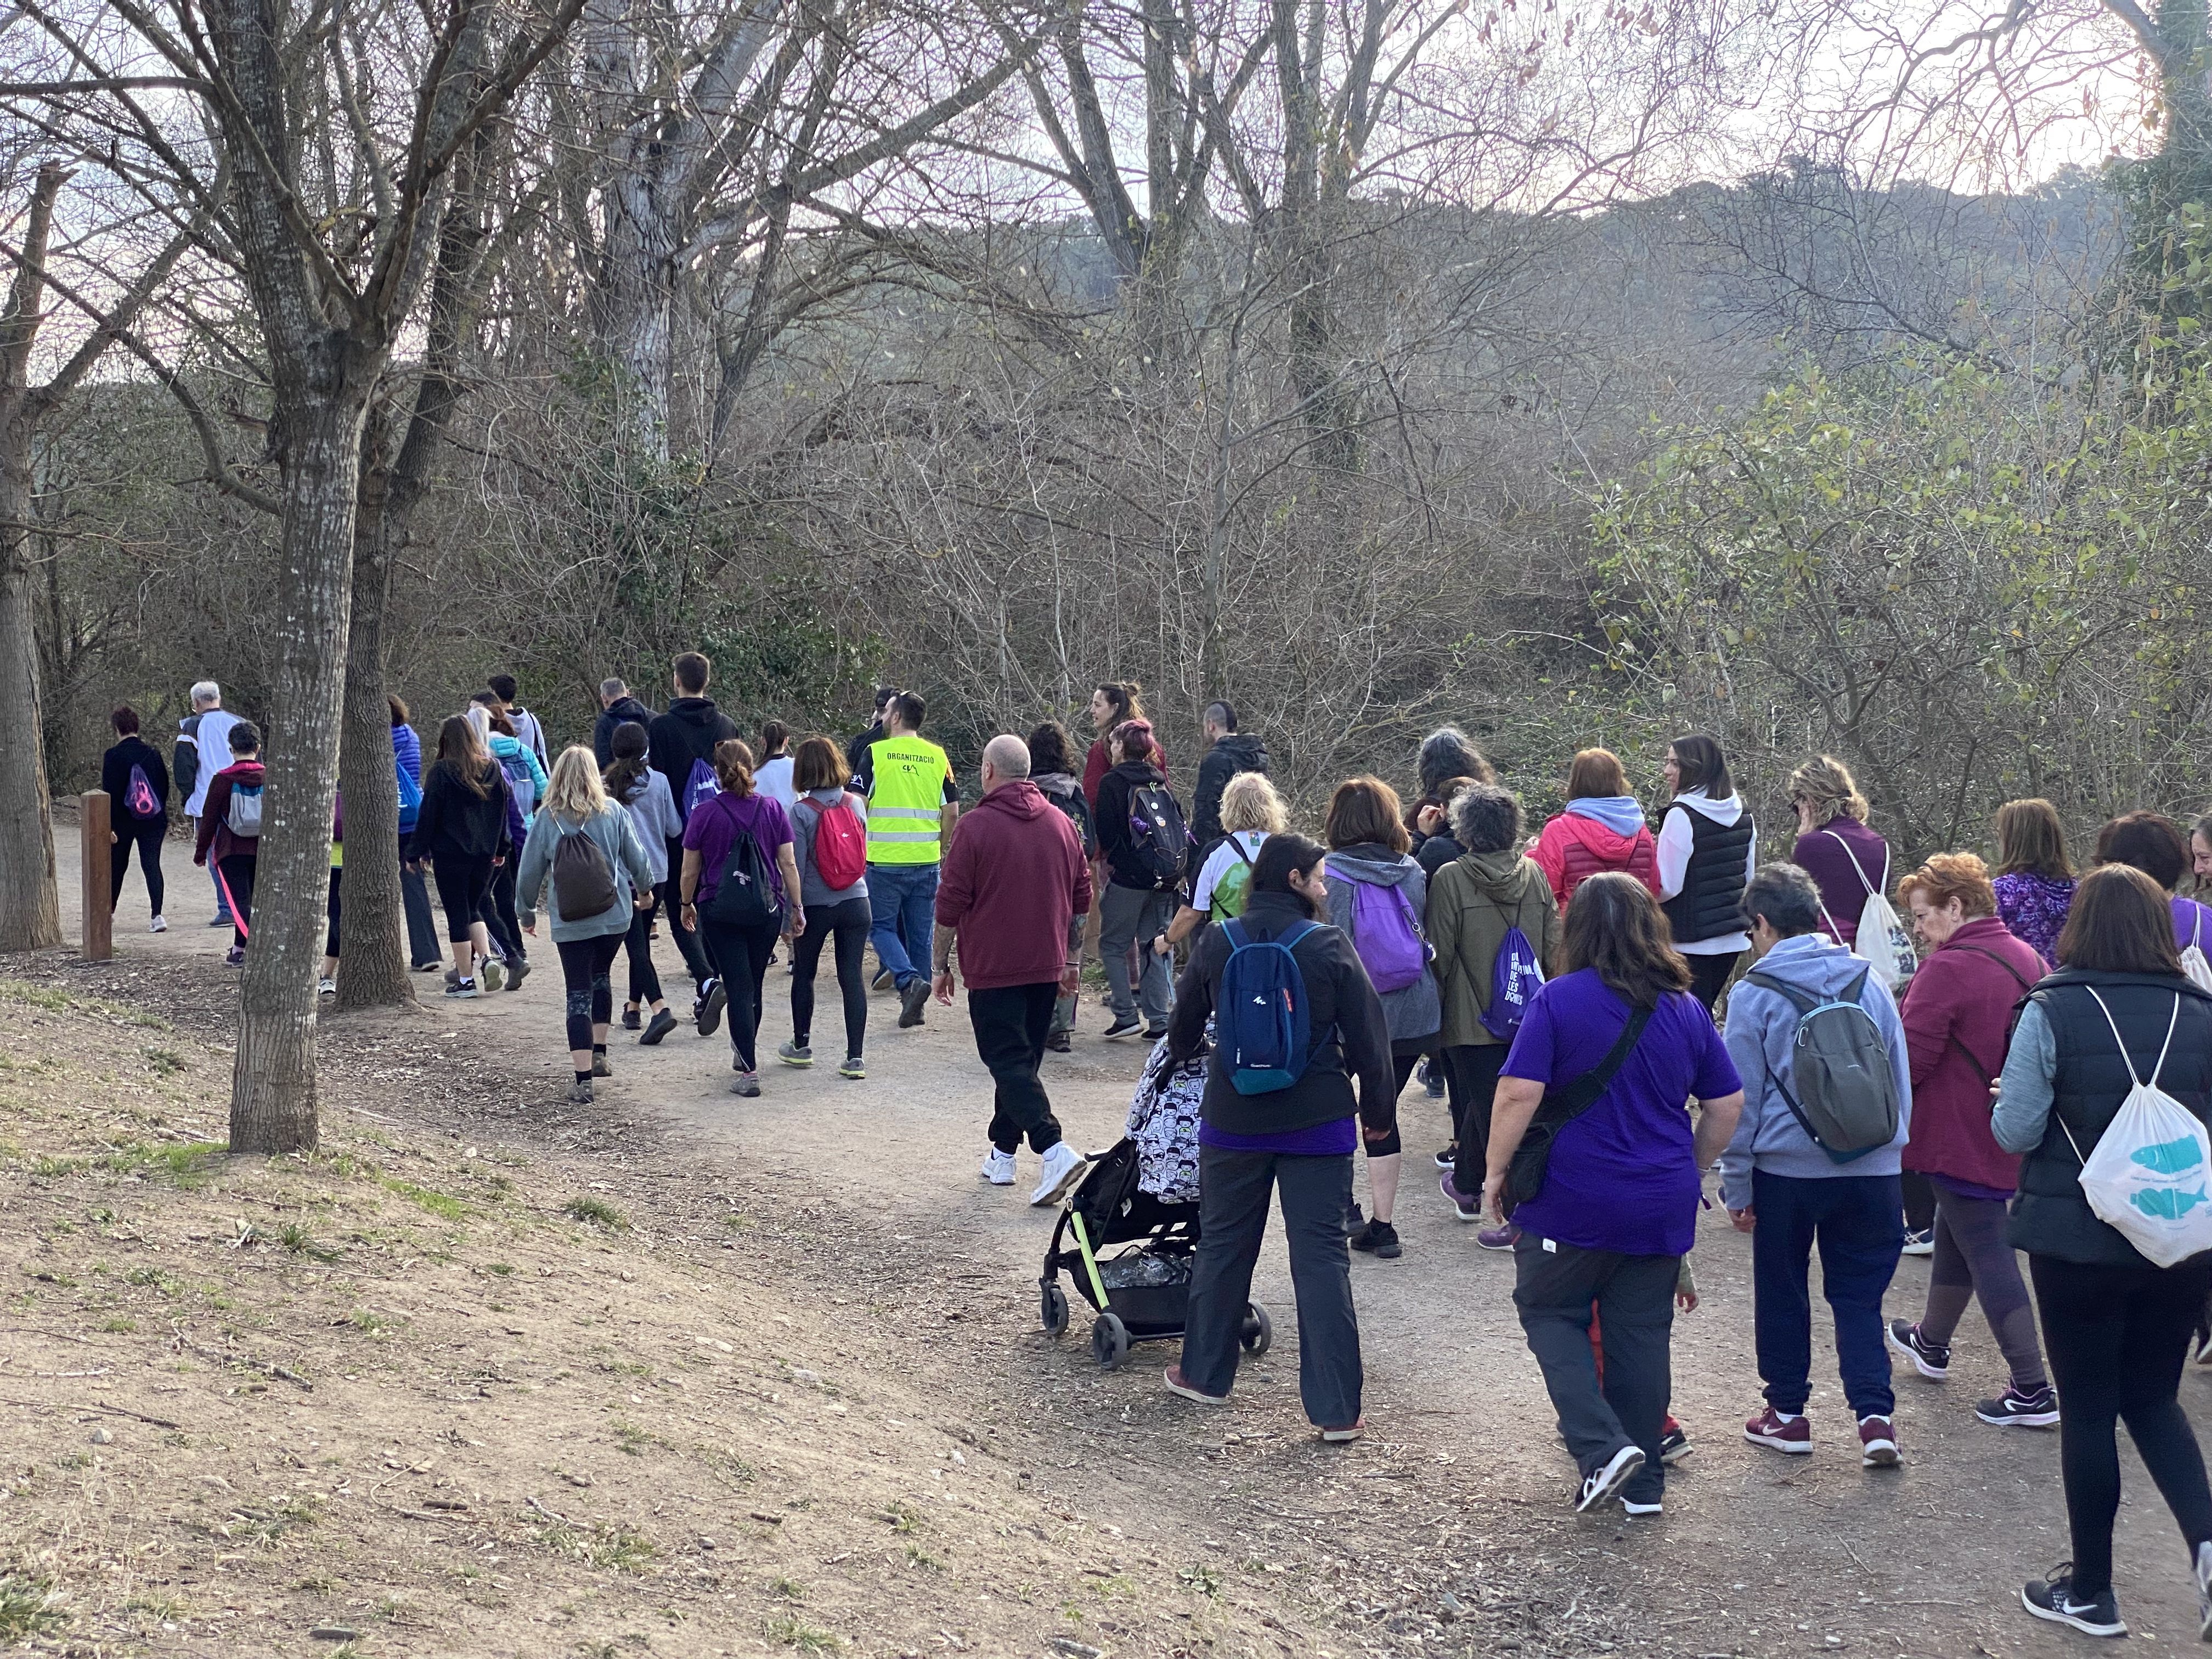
(1883, 939)
(2145, 1177)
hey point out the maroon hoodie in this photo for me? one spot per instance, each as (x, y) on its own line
(1012, 879)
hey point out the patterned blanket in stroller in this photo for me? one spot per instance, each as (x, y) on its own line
(1163, 1118)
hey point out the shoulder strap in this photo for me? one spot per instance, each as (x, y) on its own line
(2024, 984)
(1237, 848)
(1801, 1000)
(1563, 1105)
(1857, 869)
(2127, 1060)
(1234, 933)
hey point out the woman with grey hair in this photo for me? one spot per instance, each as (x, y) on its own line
(1473, 902)
(1446, 754)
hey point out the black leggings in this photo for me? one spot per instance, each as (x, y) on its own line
(1474, 1068)
(145, 833)
(331, 912)
(585, 971)
(2116, 1337)
(847, 922)
(740, 957)
(462, 884)
(237, 871)
(644, 977)
(497, 912)
(1709, 976)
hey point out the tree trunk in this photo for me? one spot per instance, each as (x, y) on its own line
(372, 973)
(639, 320)
(30, 908)
(273, 1099)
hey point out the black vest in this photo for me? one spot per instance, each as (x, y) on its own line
(2052, 1216)
(1710, 903)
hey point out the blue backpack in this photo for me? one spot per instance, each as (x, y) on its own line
(410, 797)
(700, 786)
(1516, 975)
(1259, 1017)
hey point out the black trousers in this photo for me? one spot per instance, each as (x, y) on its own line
(689, 944)
(1709, 976)
(145, 835)
(2116, 1337)
(421, 925)
(1474, 1068)
(1234, 1188)
(846, 922)
(1919, 1202)
(1557, 1287)
(1011, 1023)
(331, 916)
(644, 977)
(497, 911)
(238, 877)
(462, 884)
(742, 954)
(586, 974)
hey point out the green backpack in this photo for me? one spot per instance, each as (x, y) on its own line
(1234, 889)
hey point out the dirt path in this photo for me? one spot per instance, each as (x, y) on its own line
(1459, 1499)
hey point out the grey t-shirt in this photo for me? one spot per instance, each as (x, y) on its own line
(812, 889)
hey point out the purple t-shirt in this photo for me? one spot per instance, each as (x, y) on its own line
(1623, 1175)
(2192, 925)
(1338, 1137)
(714, 828)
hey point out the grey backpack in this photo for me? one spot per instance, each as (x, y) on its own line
(1846, 1095)
(583, 879)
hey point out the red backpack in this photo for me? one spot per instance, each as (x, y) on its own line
(840, 845)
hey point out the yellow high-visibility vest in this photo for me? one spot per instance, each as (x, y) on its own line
(905, 799)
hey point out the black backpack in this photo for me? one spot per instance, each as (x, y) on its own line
(1158, 838)
(744, 895)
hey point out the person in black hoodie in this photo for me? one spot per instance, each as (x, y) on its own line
(857, 750)
(1134, 905)
(1229, 752)
(1053, 770)
(461, 829)
(132, 827)
(676, 743)
(617, 707)
(1297, 1140)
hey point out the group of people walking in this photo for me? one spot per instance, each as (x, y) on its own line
(1931, 1064)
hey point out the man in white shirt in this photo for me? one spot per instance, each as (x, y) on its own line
(210, 723)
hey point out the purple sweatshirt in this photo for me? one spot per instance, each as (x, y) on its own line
(2035, 906)
(1826, 855)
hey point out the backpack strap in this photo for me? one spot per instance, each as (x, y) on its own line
(2023, 984)
(2127, 1060)
(1857, 869)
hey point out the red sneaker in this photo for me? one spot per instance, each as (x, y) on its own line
(1878, 1444)
(1768, 1429)
(1342, 1436)
(1173, 1378)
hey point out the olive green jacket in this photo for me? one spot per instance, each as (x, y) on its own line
(1472, 902)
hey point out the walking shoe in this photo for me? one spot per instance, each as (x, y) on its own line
(1498, 1238)
(427, 967)
(222, 919)
(632, 1020)
(462, 988)
(1673, 1446)
(1449, 1159)
(235, 957)
(853, 1068)
(663, 1024)
(326, 986)
(1154, 1033)
(1063, 1168)
(452, 977)
(1931, 1359)
(1609, 1477)
(795, 1053)
(1467, 1206)
(883, 980)
(1635, 1512)
(599, 1066)
(913, 997)
(2202, 1573)
(1173, 1378)
(1432, 1078)
(1921, 1242)
(1380, 1237)
(1354, 1223)
(489, 974)
(1877, 1443)
(1345, 1436)
(1059, 1042)
(707, 1012)
(579, 1092)
(518, 969)
(2037, 1409)
(1124, 1025)
(159, 925)
(1768, 1429)
(2053, 1598)
(2201, 1349)
(746, 1084)
(998, 1168)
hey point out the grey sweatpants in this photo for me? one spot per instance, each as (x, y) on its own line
(1973, 1258)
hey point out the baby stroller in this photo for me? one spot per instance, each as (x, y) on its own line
(1143, 1194)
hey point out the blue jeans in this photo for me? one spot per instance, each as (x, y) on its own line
(901, 900)
(1858, 1222)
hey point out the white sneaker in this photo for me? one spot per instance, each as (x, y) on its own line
(159, 925)
(326, 986)
(1063, 1168)
(998, 1168)
(2203, 1565)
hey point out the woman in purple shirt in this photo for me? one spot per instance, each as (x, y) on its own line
(1848, 862)
(1617, 1208)
(740, 951)
(2034, 882)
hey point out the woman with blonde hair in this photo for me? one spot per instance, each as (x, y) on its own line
(1251, 810)
(1848, 861)
(584, 841)
(2034, 882)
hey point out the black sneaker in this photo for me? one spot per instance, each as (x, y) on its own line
(1609, 1477)
(2053, 1598)
(913, 998)
(663, 1024)
(518, 969)
(1675, 1446)
(1125, 1026)
(1931, 1359)
(632, 1020)
(2014, 1409)
(883, 980)
(707, 1012)
(1380, 1237)
(1059, 1043)
(1449, 1159)
(1355, 1221)
(1154, 1033)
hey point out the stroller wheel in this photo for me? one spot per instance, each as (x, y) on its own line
(1259, 1333)
(1054, 1310)
(1109, 1341)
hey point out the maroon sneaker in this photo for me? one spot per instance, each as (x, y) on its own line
(1768, 1429)
(1174, 1378)
(1878, 1444)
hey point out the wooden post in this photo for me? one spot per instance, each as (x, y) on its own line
(97, 876)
